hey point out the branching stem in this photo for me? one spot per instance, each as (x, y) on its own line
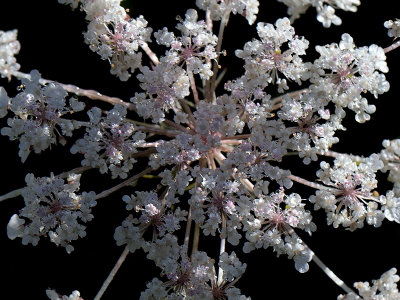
(222, 249)
(145, 47)
(309, 183)
(392, 47)
(224, 22)
(91, 94)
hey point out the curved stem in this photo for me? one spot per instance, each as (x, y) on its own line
(196, 238)
(188, 228)
(145, 47)
(329, 272)
(236, 137)
(174, 125)
(12, 194)
(392, 47)
(122, 184)
(145, 153)
(114, 271)
(186, 108)
(77, 170)
(309, 183)
(159, 131)
(231, 142)
(196, 234)
(331, 153)
(222, 249)
(91, 94)
(224, 22)
(193, 85)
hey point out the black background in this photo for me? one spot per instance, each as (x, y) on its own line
(51, 40)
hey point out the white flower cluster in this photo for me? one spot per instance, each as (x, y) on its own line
(217, 8)
(38, 112)
(73, 3)
(193, 278)
(219, 199)
(325, 9)
(195, 48)
(53, 295)
(217, 157)
(316, 126)
(110, 142)
(394, 28)
(349, 197)
(273, 223)
(9, 46)
(155, 215)
(52, 208)
(253, 164)
(351, 71)
(265, 60)
(4, 102)
(212, 121)
(391, 162)
(165, 85)
(114, 35)
(384, 288)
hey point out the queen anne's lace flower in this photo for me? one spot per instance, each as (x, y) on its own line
(391, 206)
(265, 59)
(394, 28)
(38, 112)
(115, 36)
(231, 266)
(52, 208)
(195, 48)
(156, 216)
(217, 200)
(4, 102)
(391, 162)
(164, 86)
(217, 8)
(110, 142)
(349, 197)
(384, 288)
(194, 278)
(128, 233)
(9, 46)
(155, 213)
(53, 295)
(73, 3)
(316, 126)
(215, 160)
(272, 225)
(351, 71)
(325, 9)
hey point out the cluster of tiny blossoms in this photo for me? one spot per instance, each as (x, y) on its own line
(53, 295)
(384, 288)
(9, 46)
(38, 112)
(325, 9)
(216, 154)
(52, 208)
(349, 196)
